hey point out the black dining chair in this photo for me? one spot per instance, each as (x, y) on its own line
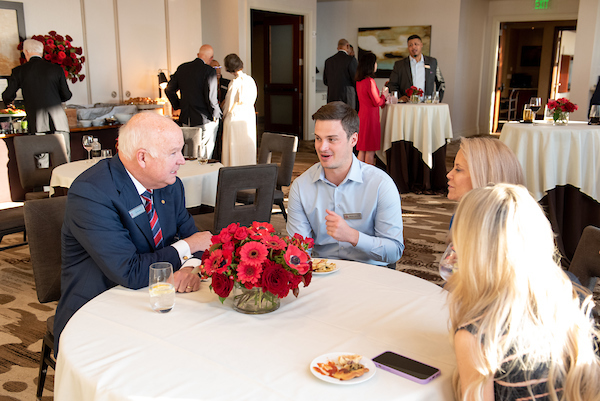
(260, 178)
(44, 219)
(287, 146)
(586, 260)
(12, 221)
(35, 170)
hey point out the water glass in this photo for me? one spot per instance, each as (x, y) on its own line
(428, 99)
(594, 115)
(162, 288)
(448, 262)
(106, 153)
(202, 154)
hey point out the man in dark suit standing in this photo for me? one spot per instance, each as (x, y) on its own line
(198, 86)
(125, 213)
(417, 70)
(338, 75)
(44, 88)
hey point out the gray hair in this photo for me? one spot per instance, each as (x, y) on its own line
(33, 46)
(142, 131)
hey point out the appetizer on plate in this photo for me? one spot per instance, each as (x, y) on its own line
(347, 367)
(323, 266)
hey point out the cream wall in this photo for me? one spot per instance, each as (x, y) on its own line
(65, 17)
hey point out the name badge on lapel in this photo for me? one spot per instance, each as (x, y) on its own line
(427, 66)
(136, 211)
(352, 216)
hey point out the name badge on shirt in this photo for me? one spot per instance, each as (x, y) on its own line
(136, 211)
(352, 216)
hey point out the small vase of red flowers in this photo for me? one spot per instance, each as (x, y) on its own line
(257, 266)
(560, 110)
(414, 93)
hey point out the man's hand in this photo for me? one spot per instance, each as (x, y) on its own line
(339, 230)
(404, 99)
(199, 241)
(185, 280)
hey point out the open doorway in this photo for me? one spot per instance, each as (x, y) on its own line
(530, 57)
(564, 49)
(277, 67)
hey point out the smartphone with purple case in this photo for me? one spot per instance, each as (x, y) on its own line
(406, 367)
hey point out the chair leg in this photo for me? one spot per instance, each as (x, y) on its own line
(280, 204)
(46, 351)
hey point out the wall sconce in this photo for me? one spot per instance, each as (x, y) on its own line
(162, 81)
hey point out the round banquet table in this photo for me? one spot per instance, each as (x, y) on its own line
(199, 181)
(562, 171)
(116, 348)
(413, 144)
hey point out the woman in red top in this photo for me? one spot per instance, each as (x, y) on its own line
(369, 133)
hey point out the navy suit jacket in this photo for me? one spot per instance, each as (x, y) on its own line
(104, 246)
(44, 88)
(338, 75)
(198, 86)
(401, 78)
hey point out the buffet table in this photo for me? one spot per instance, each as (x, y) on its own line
(413, 145)
(561, 165)
(199, 181)
(116, 348)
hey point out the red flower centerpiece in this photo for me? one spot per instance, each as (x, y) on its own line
(560, 110)
(59, 50)
(414, 93)
(258, 266)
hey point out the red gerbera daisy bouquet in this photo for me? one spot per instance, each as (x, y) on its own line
(254, 257)
(59, 50)
(413, 90)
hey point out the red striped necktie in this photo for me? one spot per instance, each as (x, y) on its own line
(153, 217)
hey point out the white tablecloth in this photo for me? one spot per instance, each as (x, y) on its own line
(554, 155)
(117, 348)
(426, 125)
(199, 181)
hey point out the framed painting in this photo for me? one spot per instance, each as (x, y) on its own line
(12, 31)
(389, 44)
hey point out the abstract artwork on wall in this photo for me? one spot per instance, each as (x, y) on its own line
(389, 44)
(12, 31)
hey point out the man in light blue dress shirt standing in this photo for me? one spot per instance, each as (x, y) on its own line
(351, 209)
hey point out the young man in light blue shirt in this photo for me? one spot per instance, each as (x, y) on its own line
(351, 209)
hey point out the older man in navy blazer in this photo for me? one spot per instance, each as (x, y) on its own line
(110, 235)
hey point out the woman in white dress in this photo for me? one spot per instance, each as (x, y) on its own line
(239, 123)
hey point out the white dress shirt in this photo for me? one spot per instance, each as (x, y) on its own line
(417, 68)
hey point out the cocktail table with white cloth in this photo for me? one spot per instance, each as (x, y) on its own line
(116, 348)
(413, 145)
(562, 171)
(199, 181)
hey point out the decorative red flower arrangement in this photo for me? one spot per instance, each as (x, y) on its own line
(256, 257)
(413, 90)
(58, 50)
(563, 104)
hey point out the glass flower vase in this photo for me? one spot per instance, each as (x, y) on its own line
(414, 99)
(561, 117)
(254, 301)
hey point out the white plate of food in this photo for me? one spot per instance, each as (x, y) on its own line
(342, 368)
(323, 266)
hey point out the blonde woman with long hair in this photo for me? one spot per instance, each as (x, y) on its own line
(520, 329)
